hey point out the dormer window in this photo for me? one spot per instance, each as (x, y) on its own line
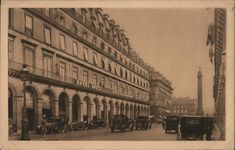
(102, 46)
(62, 20)
(84, 18)
(85, 35)
(74, 28)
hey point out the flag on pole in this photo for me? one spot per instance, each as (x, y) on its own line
(210, 36)
(211, 53)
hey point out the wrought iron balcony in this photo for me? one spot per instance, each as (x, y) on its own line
(54, 78)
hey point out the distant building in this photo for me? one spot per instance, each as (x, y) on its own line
(184, 106)
(160, 94)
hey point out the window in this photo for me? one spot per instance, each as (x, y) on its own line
(85, 52)
(94, 79)
(95, 58)
(28, 25)
(102, 82)
(85, 35)
(75, 48)
(110, 67)
(47, 35)
(121, 88)
(115, 70)
(75, 74)
(11, 17)
(103, 63)
(125, 91)
(94, 40)
(121, 72)
(29, 57)
(85, 76)
(62, 42)
(47, 65)
(115, 54)
(110, 51)
(130, 77)
(109, 84)
(10, 48)
(120, 58)
(115, 87)
(62, 20)
(84, 17)
(47, 11)
(126, 74)
(62, 71)
(74, 28)
(102, 46)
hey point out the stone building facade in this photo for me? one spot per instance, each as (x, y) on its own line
(160, 95)
(219, 64)
(184, 106)
(81, 65)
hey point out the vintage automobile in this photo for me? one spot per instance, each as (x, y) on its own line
(121, 123)
(171, 124)
(96, 123)
(195, 128)
(143, 122)
(55, 124)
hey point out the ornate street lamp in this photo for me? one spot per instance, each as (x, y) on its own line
(24, 78)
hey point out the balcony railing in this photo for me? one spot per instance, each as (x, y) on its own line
(55, 76)
(90, 26)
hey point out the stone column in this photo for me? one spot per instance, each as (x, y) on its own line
(98, 111)
(114, 110)
(106, 113)
(69, 111)
(56, 108)
(111, 111)
(38, 112)
(117, 110)
(18, 112)
(131, 113)
(80, 112)
(128, 112)
(199, 93)
(89, 113)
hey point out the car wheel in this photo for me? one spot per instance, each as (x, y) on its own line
(165, 130)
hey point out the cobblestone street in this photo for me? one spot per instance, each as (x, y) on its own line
(154, 134)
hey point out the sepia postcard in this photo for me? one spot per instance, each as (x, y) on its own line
(117, 75)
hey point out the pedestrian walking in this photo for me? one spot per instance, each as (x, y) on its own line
(44, 128)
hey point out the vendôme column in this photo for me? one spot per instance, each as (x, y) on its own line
(199, 92)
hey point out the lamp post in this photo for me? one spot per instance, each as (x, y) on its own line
(24, 78)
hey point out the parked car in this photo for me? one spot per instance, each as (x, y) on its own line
(121, 123)
(96, 123)
(171, 124)
(196, 128)
(143, 122)
(55, 124)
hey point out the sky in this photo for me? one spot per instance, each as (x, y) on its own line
(173, 41)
